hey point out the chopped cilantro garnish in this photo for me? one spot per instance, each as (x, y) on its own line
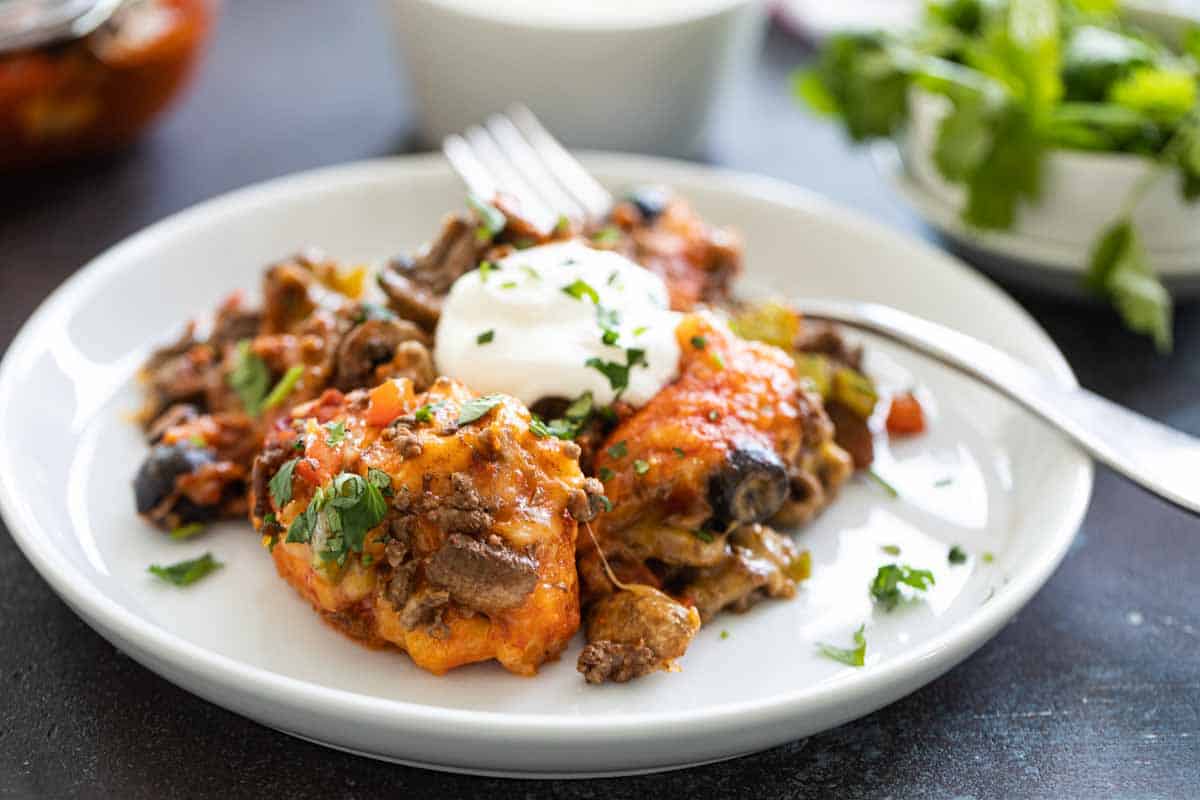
(531, 272)
(580, 407)
(851, 657)
(618, 374)
(618, 450)
(679, 452)
(339, 516)
(988, 558)
(887, 487)
(490, 217)
(606, 474)
(486, 268)
(885, 588)
(563, 224)
(609, 234)
(508, 285)
(185, 573)
(486, 337)
(478, 407)
(187, 531)
(640, 466)
(284, 388)
(639, 330)
(609, 337)
(957, 555)
(699, 342)
(249, 378)
(724, 635)
(197, 441)
(337, 432)
(704, 536)
(891, 549)
(572, 422)
(607, 318)
(380, 480)
(281, 483)
(604, 501)
(425, 413)
(579, 289)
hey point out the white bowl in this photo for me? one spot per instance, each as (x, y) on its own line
(639, 79)
(1081, 193)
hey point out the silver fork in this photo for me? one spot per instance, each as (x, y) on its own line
(515, 154)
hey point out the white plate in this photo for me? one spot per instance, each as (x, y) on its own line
(244, 640)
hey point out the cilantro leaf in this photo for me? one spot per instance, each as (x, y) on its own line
(490, 217)
(856, 78)
(1119, 269)
(1165, 94)
(284, 388)
(477, 407)
(337, 432)
(574, 418)
(579, 289)
(425, 413)
(957, 555)
(609, 234)
(249, 378)
(281, 483)
(185, 573)
(851, 657)
(187, 531)
(379, 479)
(486, 337)
(885, 588)
(340, 515)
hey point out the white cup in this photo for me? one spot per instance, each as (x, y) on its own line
(644, 80)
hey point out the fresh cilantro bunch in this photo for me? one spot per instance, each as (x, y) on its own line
(1022, 78)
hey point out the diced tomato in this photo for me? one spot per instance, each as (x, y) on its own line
(388, 400)
(905, 417)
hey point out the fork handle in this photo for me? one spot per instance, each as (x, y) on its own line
(1160, 459)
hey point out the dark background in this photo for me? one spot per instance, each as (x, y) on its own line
(1092, 691)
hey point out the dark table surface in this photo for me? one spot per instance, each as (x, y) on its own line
(1092, 691)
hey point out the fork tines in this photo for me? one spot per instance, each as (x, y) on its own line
(515, 154)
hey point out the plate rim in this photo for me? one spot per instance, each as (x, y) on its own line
(111, 619)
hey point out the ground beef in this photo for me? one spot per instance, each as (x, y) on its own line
(487, 576)
(461, 510)
(424, 608)
(610, 661)
(400, 585)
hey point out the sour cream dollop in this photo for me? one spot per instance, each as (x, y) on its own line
(529, 326)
